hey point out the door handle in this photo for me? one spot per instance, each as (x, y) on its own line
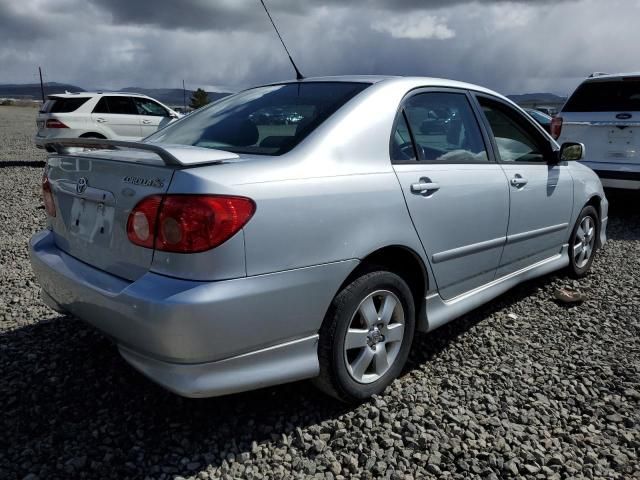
(100, 120)
(518, 181)
(146, 122)
(425, 187)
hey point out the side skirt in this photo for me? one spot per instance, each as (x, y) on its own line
(439, 311)
(283, 363)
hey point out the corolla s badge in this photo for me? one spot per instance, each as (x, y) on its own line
(144, 182)
(82, 184)
(624, 116)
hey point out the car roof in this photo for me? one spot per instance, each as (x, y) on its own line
(407, 82)
(94, 94)
(598, 77)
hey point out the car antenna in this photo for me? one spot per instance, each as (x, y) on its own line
(299, 76)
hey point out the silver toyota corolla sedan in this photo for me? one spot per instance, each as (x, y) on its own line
(307, 229)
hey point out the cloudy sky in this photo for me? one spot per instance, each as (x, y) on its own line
(511, 46)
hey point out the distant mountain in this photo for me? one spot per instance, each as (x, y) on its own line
(538, 98)
(171, 96)
(32, 90)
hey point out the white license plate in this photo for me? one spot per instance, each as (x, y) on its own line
(91, 221)
(621, 137)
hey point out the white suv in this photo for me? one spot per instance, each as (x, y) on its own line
(115, 116)
(604, 114)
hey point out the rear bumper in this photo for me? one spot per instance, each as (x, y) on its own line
(198, 338)
(617, 175)
(619, 179)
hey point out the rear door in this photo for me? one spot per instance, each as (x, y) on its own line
(604, 114)
(457, 195)
(541, 189)
(117, 116)
(153, 116)
(94, 194)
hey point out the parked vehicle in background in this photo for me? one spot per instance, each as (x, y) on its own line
(543, 119)
(604, 114)
(252, 253)
(551, 111)
(114, 116)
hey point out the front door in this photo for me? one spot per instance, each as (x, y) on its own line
(457, 196)
(152, 115)
(541, 188)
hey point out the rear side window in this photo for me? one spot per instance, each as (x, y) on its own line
(443, 127)
(402, 148)
(101, 106)
(64, 105)
(267, 120)
(122, 105)
(606, 96)
(117, 105)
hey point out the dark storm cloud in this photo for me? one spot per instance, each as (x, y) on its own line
(511, 46)
(18, 24)
(248, 14)
(195, 14)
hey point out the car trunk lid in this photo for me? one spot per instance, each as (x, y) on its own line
(608, 136)
(95, 192)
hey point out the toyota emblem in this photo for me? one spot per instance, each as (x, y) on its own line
(81, 186)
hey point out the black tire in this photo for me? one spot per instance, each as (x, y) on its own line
(335, 378)
(578, 269)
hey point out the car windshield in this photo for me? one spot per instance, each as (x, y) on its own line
(606, 96)
(268, 120)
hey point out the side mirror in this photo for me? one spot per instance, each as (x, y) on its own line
(571, 152)
(174, 115)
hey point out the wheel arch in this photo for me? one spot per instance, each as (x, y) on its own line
(596, 202)
(92, 135)
(404, 262)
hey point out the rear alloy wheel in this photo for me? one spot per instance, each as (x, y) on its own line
(366, 336)
(374, 336)
(583, 242)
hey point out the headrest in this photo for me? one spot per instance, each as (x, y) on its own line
(239, 133)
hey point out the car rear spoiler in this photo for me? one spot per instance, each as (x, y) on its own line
(171, 155)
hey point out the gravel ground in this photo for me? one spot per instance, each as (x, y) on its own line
(521, 388)
(17, 127)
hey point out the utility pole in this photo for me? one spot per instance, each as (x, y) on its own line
(184, 97)
(41, 84)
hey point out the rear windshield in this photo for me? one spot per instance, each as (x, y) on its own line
(63, 105)
(606, 96)
(267, 120)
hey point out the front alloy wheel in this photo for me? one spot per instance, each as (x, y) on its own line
(583, 242)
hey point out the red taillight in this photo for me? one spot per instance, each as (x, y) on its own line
(556, 127)
(55, 123)
(47, 196)
(187, 223)
(141, 225)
